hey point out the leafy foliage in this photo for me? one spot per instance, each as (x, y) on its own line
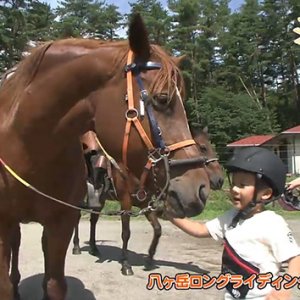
(241, 71)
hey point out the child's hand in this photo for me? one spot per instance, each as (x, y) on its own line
(282, 294)
(293, 184)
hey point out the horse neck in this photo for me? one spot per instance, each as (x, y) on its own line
(53, 100)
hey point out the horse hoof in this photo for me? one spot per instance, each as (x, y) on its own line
(149, 264)
(76, 251)
(127, 271)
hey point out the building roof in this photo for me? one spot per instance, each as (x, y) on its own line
(255, 140)
(292, 130)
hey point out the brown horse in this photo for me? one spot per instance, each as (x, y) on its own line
(98, 179)
(51, 100)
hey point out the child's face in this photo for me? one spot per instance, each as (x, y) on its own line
(242, 189)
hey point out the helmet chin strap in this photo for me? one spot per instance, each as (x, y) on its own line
(245, 212)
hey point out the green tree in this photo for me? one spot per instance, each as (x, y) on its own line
(87, 18)
(40, 18)
(282, 58)
(230, 117)
(13, 37)
(155, 17)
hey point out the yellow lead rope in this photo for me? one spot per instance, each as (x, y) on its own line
(14, 174)
(25, 183)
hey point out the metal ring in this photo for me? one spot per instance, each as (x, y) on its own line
(131, 114)
(141, 195)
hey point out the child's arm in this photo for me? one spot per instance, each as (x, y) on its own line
(293, 271)
(193, 228)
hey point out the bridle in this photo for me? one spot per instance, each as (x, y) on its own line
(160, 151)
(156, 154)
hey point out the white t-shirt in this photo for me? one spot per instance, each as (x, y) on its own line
(264, 240)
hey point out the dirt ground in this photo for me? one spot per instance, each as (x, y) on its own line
(99, 278)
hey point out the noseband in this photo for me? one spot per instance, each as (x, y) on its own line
(159, 152)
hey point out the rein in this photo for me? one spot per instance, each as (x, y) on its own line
(90, 211)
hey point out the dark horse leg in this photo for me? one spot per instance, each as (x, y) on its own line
(152, 218)
(96, 176)
(6, 288)
(93, 222)
(55, 241)
(126, 267)
(76, 248)
(15, 273)
(101, 185)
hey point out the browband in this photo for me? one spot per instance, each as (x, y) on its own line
(136, 67)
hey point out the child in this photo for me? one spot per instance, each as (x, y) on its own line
(256, 241)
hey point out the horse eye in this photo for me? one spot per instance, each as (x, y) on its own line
(161, 100)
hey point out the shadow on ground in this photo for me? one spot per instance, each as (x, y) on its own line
(110, 253)
(30, 288)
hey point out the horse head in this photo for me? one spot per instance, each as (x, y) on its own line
(155, 83)
(212, 166)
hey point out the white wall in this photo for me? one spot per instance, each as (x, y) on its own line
(293, 146)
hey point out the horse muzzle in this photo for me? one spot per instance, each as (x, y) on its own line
(183, 200)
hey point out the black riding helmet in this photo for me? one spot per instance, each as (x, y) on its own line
(263, 162)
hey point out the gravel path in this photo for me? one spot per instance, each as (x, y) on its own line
(91, 278)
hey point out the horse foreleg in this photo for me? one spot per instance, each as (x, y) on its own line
(152, 218)
(15, 246)
(126, 267)
(93, 222)
(56, 237)
(6, 288)
(76, 248)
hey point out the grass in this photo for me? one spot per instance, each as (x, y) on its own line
(217, 203)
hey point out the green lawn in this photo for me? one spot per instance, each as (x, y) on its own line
(217, 203)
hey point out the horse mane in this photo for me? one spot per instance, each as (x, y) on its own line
(119, 59)
(169, 75)
(25, 72)
(28, 67)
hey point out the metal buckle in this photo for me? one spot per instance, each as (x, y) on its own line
(155, 155)
(131, 67)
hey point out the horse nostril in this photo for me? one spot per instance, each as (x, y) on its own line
(201, 193)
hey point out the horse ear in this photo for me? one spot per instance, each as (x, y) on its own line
(205, 130)
(138, 38)
(179, 60)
